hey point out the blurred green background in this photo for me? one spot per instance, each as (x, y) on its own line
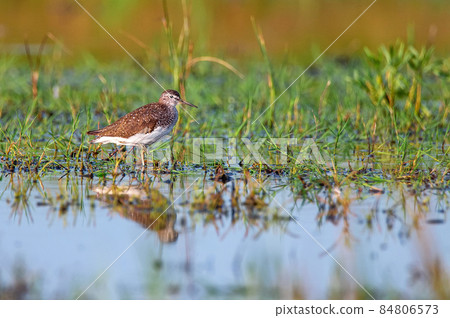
(223, 27)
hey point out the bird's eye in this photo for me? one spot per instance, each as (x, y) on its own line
(171, 96)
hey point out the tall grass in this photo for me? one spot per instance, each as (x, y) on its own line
(389, 108)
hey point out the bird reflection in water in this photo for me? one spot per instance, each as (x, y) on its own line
(148, 207)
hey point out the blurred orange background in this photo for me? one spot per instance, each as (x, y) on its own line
(223, 27)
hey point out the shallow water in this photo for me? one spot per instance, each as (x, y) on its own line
(218, 241)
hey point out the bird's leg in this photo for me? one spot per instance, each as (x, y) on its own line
(128, 152)
(115, 151)
(142, 155)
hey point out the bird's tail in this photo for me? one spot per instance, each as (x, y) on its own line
(94, 141)
(94, 133)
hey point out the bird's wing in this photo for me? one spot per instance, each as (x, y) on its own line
(141, 120)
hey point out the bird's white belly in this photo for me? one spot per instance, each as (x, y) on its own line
(138, 139)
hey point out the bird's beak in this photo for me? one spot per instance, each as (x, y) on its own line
(186, 103)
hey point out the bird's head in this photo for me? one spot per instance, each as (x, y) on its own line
(172, 98)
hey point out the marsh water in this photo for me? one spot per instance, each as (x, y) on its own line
(197, 236)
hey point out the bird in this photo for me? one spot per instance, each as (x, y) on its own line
(145, 125)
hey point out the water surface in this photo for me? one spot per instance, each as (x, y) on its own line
(190, 237)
